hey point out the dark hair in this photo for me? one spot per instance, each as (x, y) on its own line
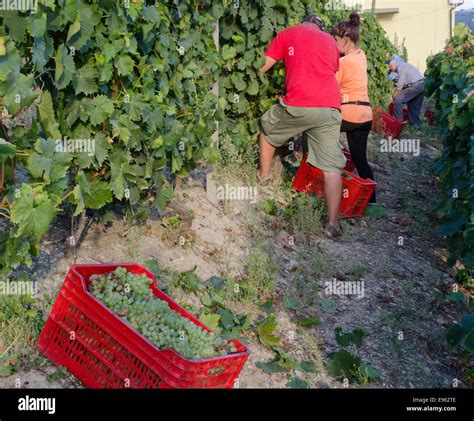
(316, 20)
(348, 28)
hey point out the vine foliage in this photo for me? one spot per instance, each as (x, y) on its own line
(449, 82)
(135, 78)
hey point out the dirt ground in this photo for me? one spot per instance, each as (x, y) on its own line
(404, 284)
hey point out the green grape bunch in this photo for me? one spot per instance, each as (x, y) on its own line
(130, 297)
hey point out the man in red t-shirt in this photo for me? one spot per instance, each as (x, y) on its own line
(311, 105)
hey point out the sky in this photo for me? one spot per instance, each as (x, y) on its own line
(468, 4)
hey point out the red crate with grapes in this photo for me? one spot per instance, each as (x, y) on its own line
(105, 351)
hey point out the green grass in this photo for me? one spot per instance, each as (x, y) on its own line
(235, 163)
(305, 214)
(375, 211)
(312, 265)
(21, 321)
(258, 284)
(359, 270)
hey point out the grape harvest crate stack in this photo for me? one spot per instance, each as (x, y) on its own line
(113, 328)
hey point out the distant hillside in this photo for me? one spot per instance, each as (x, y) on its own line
(467, 17)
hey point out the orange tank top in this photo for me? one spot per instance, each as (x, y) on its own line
(353, 82)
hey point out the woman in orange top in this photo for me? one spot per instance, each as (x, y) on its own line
(352, 79)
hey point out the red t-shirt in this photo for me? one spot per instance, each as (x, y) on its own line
(311, 60)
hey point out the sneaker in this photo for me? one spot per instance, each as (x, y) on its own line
(264, 182)
(332, 231)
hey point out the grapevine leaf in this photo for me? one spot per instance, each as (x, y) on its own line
(102, 147)
(163, 196)
(456, 297)
(124, 64)
(42, 51)
(452, 223)
(369, 370)
(269, 367)
(217, 11)
(308, 321)
(90, 194)
(150, 14)
(17, 92)
(153, 266)
(267, 307)
(65, 67)
(454, 335)
(211, 321)
(15, 24)
(99, 109)
(73, 29)
(328, 305)
(46, 162)
(468, 341)
(5, 370)
(307, 367)
(297, 383)
(253, 88)
(291, 303)
(137, 109)
(228, 52)
(265, 330)
(33, 212)
(80, 32)
(342, 365)
(46, 116)
(38, 24)
(344, 339)
(118, 163)
(7, 150)
(85, 80)
(227, 318)
(99, 195)
(467, 322)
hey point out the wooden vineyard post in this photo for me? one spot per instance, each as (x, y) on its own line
(215, 87)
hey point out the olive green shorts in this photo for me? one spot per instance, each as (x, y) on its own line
(281, 122)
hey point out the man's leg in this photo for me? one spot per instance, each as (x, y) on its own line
(325, 153)
(398, 105)
(415, 105)
(405, 97)
(267, 151)
(333, 195)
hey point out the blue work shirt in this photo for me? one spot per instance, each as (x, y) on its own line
(407, 73)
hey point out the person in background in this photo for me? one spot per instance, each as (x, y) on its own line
(311, 105)
(409, 90)
(353, 81)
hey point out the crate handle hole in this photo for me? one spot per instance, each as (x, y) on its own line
(215, 370)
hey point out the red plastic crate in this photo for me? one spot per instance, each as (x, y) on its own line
(350, 166)
(391, 110)
(356, 191)
(107, 352)
(428, 114)
(387, 125)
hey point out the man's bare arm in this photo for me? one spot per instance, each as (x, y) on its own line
(269, 62)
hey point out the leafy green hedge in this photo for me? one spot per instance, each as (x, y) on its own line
(136, 79)
(449, 82)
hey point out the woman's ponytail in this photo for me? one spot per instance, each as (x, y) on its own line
(354, 19)
(349, 28)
